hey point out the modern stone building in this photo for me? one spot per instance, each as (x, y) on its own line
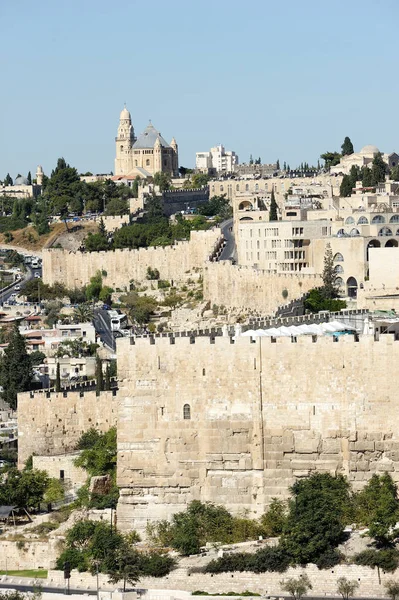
(144, 155)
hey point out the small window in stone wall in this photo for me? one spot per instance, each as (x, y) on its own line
(186, 412)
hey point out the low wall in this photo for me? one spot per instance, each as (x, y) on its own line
(74, 269)
(32, 554)
(53, 423)
(324, 582)
(243, 287)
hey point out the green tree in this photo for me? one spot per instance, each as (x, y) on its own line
(395, 173)
(331, 159)
(317, 517)
(367, 178)
(347, 147)
(278, 165)
(199, 180)
(392, 588)
(54, 491)
(24, 489)
(345, 189)
(377, 507)
(330, 288)
(58, 378)
(94, 288)
(37, 357)
(297, 587)
(345, 587)
(378, 169)
(139, 308)
(273, 216)
(107, 382)
(83, 313)
(117, 207)
(273, 521)
(15, 368)
(106, 294)
(29, 178)
(99, 375)
(98, 452)
(8, 180)
(163, 180)
(127, 567)
(102, 229)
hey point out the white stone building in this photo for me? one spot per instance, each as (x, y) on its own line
(218, 159)
(364, 158)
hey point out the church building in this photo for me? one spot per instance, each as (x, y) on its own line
(145, 155)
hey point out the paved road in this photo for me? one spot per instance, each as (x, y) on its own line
(102, 325)
(4, 296)
(30, 588)
(229, 251)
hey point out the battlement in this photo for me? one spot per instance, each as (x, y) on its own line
(202, 338)
(254, 272)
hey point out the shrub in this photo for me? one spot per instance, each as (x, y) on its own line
(329, 559)
(44, 528)
(387, 560)
(156, 564)
(274, 519)
(163, 284)
(284, 294)
(230, 563)
(76, 559)
(270, 559)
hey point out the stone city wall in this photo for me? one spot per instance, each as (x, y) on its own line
(74, 269)
(53, 423)
(324, 582)
(262, 414)
(245, 287)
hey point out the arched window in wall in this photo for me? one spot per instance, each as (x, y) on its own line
(338, 257)
(186, 412)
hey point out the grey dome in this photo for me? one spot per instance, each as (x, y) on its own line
(20, 180)
(148, 138)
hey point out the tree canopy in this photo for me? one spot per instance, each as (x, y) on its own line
(347, 147)
(15, 368)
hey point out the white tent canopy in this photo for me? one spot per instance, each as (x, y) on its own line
(295, 330)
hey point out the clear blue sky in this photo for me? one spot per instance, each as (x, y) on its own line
(278, 79)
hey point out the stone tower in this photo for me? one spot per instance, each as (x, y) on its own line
(157, 156)
(124, 142)
(39, 175)
(175, 157)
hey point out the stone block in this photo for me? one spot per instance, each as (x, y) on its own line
(363, 445)
(331, 446)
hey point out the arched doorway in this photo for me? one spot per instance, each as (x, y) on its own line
(246, 205)
(372, 244)
(391, 244)
(351, 286)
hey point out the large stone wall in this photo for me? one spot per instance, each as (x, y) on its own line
(53, 423)
(324, 582)
(262, 415)
(74, 269)
(244, 287)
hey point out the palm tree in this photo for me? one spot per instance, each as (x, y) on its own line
(83, 313)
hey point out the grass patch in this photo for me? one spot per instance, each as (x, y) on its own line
(33, 573)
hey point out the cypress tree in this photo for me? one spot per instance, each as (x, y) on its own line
(99, 375)
(16, 369)
(29, 178)
(8, 180)
(278, 165)
(329, 276)
(345, 189)
(378, 169)
(107, 384)
(58, 378)
(347, 147)
(273, 208)
(367, 179)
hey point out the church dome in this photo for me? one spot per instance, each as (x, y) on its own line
(20, 180)
(125, 114)
(370, 149)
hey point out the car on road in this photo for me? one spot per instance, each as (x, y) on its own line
(37, 275)
(17, 288)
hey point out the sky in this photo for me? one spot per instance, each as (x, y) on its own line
(276, 79)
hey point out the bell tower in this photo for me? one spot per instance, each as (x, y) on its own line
(124, 142)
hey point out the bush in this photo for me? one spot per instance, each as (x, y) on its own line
(76, 559)
(329, 559)
(44, 528)
(156, 564)
(274, 519)
(270, 559)
(387, 559)
(230, 563)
